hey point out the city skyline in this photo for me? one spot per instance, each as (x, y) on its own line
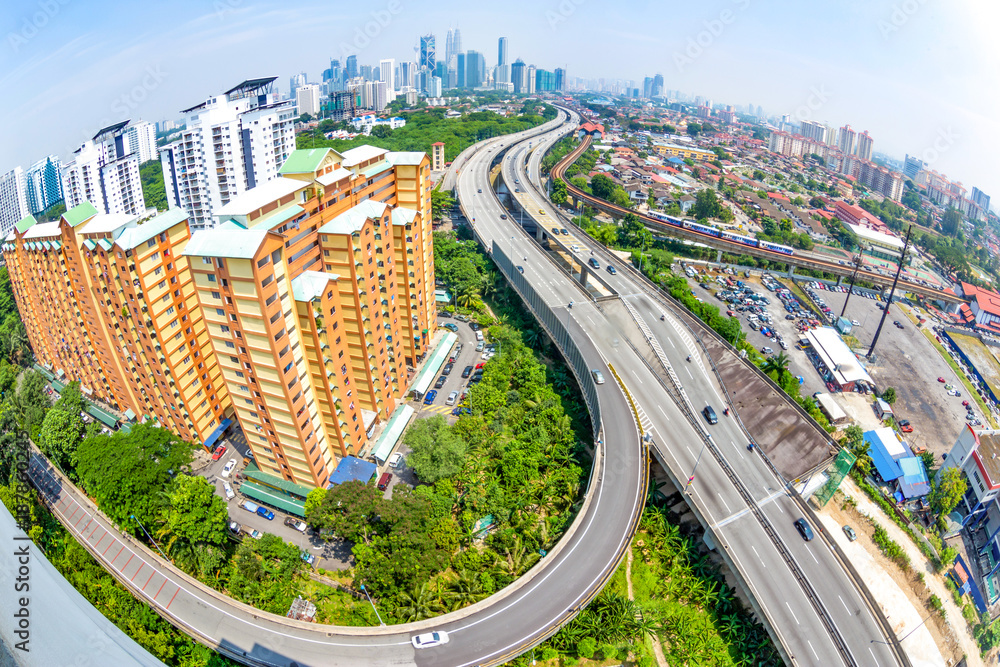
(122, 69)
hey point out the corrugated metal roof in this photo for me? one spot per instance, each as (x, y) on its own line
(226, 243)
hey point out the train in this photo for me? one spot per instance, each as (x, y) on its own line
(726, 235)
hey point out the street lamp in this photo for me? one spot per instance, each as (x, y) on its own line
(697, 461)
(373, 605)
(149, 536)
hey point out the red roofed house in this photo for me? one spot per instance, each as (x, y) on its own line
(781, 198)
(593, 129)
(984, 307)
(860, 217)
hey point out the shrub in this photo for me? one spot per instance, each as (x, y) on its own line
(586, 647)
(935, 603)
(549, 653)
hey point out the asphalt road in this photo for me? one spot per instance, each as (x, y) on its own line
(716, 498)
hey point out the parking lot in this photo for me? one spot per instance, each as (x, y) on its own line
(471, 354)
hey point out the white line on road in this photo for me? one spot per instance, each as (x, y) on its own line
(792, 613)
(845, 605)
(813, 555)
(662, 412)
(724, 503)
(758, 556)
(637, 377)
(671, 343)
(873, 656)
(688, 370)
(812, 649)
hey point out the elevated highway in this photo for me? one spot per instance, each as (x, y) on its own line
(816, 611)
(799, 259)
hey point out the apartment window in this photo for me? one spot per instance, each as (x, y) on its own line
(239, 374)
(229, 344)
(219, 311)
(206, 260)
(263, 262)
(155, 256)
(235, 360)
(211, 277)
(150, 243)
(267, 281)
(157, 271)
(216, 295)
(224, 328)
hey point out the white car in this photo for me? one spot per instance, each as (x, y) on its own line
(228, 488)
(395, 460)
(229, 467)
(430, 639)
(856, 323)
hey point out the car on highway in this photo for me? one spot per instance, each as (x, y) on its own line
(612, 270)
(228, 468)
(565, 232)
(594, 263)
(430, 639)
(905, 426)
(541, 212)
(219, 451)
(555, 231)
(851, 535)
(480, 191)
(452, 397)
(805, 530)
(296, 524)
(520, 268)
(467, 372)
(598, 376)
(227, 488)
(431, 395)
(450, 327)
(266, 513)
(710, 415)
(503, 216)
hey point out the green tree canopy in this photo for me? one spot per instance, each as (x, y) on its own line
(196, 514)
(60, 436)
(949, 487)
(437, 451)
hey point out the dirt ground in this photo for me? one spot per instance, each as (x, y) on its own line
(950, 634)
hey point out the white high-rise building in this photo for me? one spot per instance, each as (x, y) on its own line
(232, 143)
(307, 99)
(140, 140)
(373, 95)
(387, 75)
(105, 172)
(13, 200)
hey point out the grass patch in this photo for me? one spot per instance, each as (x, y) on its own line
(337, 607)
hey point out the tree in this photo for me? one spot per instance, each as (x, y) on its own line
(948, 489)
(693, 129)
(437, 451)
(632, 233)
(706, 205)
(305, 118)
(196, 514)
(951, 222)
(889, 395)
(441, 202)
(558, 191)
(602, 186)
(381, 131)
(154, 192)
(60, 436)
(777, 363)
(350, 509)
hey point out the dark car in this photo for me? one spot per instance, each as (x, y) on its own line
(440, 381)
(555, 230)
(564, 232)
(450, 327)
(710, 415)
(467, 372)
(474, 326)
(503, 216)
(520, 268)
(805, 530)
(594, 263)
(431, 395)
(448, 368)
(480, 191)
(612, 270)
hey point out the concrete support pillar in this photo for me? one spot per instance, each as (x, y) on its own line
(539, 232)
(791, 270)
(840, 279)
(718, 257)
(584, 274)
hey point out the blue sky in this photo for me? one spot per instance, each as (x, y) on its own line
(919, 75)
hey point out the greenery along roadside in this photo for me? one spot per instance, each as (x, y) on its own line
(426, 127)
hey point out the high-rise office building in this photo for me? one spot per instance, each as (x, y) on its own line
(13, 199)
(519, 76)
(373, 95)
(980, 199)
(44, 184)
(503, 64)
(865, 146)
(428, 55)
(845, 140)
(387, 74)
(351, 68)
(460, 70)
(475, 69)
(367, 72)
(300, 315)
(912, 166)
(560, 81)
(456, 43)
(407, 76)
(105, 172)
(647, 87)
(294, 82)
(232, 143)
(545, 81)
(530, 75)
(449, 47)
(658, 85)
(307, 100)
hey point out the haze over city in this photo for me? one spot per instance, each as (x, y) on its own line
(912, 73)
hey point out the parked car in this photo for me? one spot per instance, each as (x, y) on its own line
(851, 535)
(227, 488)
(219, 451)
(440, 381)
(307, 557)
(452, 397)
(904, 426)
(266, 513)
(235, 528)
(396, 460)
(805, 530)
(450, 327)
(431, 395)
(384, 480)
(467, 372)
(256, 534)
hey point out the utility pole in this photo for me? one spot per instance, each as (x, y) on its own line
(888, 303)
(857, 267)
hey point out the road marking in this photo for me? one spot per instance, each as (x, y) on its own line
(688, 370)
(758, 556)
(814, 650)
(845, 605)
(873, 656)
(813, 555)
(637, 377)
(792, 613)
(724, 503)
(665, 415)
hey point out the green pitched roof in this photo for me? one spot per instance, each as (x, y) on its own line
(353, 219)
(310, 284)
(304, 161)
(226, 243)
(24, 224)
(132, 237)
(78, 214)
(254, 473)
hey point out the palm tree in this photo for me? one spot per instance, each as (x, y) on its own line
(777, 363)
(464, 590)
(418, 605)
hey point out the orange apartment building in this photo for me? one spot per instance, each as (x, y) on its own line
(301, 314)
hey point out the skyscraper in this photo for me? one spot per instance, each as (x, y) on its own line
(351, 67)
(294, 82)
(864, 148)
(560, 82)
(13, 200)
(232, 143)
(457, 42)
(658, 85)
(813, 130)
(105, 172)
(44, 184)
(449, 47)
(475, 74)
(502, 51)
(387, 73)
(845, 140)
(307, 100)
(460, 70)
(519, 76)
(428, 55)
(980, 199)
(647, 87)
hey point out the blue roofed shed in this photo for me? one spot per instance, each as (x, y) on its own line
(914, 482)
(352, 468)
(886, 449)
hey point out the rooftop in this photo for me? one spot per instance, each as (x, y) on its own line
(839, 358)
(361, 154)
(988, 454)
(227, 243)
(103, 223)
(876, 237)
(133, 236)
(337, 174)
(403, 216)
(260, 196)
(24, 224)
(78, 214)
(305, 160)
(43, 230)
(309, 285)
(353, 219)
(413, 158)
